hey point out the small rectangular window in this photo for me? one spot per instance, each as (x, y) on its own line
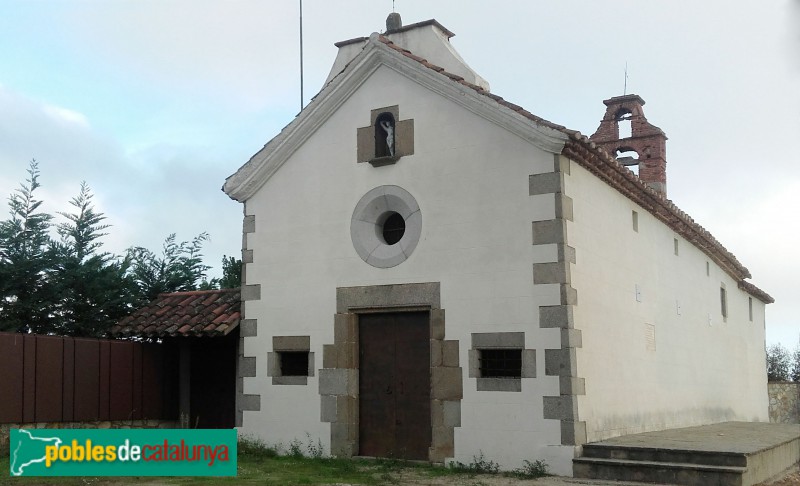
(635, 220)
(708, 269)
(675, 244)
(750, 307)
(501, 363)
(293, 363)
(723, 300)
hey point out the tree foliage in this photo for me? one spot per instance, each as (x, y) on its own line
(26, 253)
(231, 273)
(179, 267)
(779, 365)
(93, 287)
(69, 285)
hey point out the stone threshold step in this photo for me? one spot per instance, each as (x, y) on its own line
(590, 461)
(655, 454)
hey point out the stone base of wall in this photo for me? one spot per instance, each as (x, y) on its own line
(5, 429)
(784, 402)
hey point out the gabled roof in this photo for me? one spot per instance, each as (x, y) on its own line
(540, 132)
(196, 313)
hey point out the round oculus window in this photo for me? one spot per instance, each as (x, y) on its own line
(393, 228)
(386, 226)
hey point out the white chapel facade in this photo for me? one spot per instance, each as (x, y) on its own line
(432, 272)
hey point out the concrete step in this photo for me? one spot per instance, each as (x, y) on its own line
(689, 474)
(633, 453)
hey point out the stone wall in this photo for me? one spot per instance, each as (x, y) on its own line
(118, 424)
(784, 402)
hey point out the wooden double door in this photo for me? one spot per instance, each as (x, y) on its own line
(394, 385)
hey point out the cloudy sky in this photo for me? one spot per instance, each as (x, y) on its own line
(154, 103)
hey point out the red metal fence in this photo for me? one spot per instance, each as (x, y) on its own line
(63, 379)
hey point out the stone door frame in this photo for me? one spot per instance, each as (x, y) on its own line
(338, 379)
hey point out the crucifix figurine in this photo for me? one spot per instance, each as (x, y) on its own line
(389, 129)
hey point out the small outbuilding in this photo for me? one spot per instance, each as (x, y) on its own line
(202, 329)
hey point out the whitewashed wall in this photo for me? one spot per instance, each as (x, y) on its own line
(470, 179)
(702, 370)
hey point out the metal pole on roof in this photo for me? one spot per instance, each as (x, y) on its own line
(301, 55)
(625, 90)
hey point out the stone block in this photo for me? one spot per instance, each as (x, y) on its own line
(330, 356)
(549, 231)
(437, 413)
(498, 339)
(500, 384)
(556, 316)
(342, 434)
(573, 433)
(247, 366)
(561, 164)
(442, 437)
(452, 413)
(247, 256)
(571, 338)
(290, 380)
(250, 402)
(404, 137)
(450, 353)
(249, 224)
(365, 144)
(562, 407)
(338, 381)
(248, 328)
(291, 343)
(347, 355)
(560, 362)
(396, 295)
(347, 410)
(564, 207)
(546, 183)
(328, 411)
(345, 328)
(446, 384)
(549, 273)
(569, 296)
(437, 324)
(251, 292)
(566, 253)
(571, 385)
(529, 363)
(474, 357)
(273, 364)
(436, 352)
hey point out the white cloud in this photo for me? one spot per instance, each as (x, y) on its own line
(65, 115)
(145, 196)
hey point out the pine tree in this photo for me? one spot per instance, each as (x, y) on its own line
(94, 290)
(26, 253)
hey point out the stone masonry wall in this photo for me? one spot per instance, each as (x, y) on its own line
(784, 402)
(5, 429)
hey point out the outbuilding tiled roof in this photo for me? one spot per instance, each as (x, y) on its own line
(195, 313)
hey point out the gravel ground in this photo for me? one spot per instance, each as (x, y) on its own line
(410, 478)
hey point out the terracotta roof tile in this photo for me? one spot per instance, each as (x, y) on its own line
(196, 313)
(586, 153)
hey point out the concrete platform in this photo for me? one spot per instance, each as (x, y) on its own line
(730, 454)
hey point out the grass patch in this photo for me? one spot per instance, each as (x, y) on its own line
(299, 464)
(258, 463)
